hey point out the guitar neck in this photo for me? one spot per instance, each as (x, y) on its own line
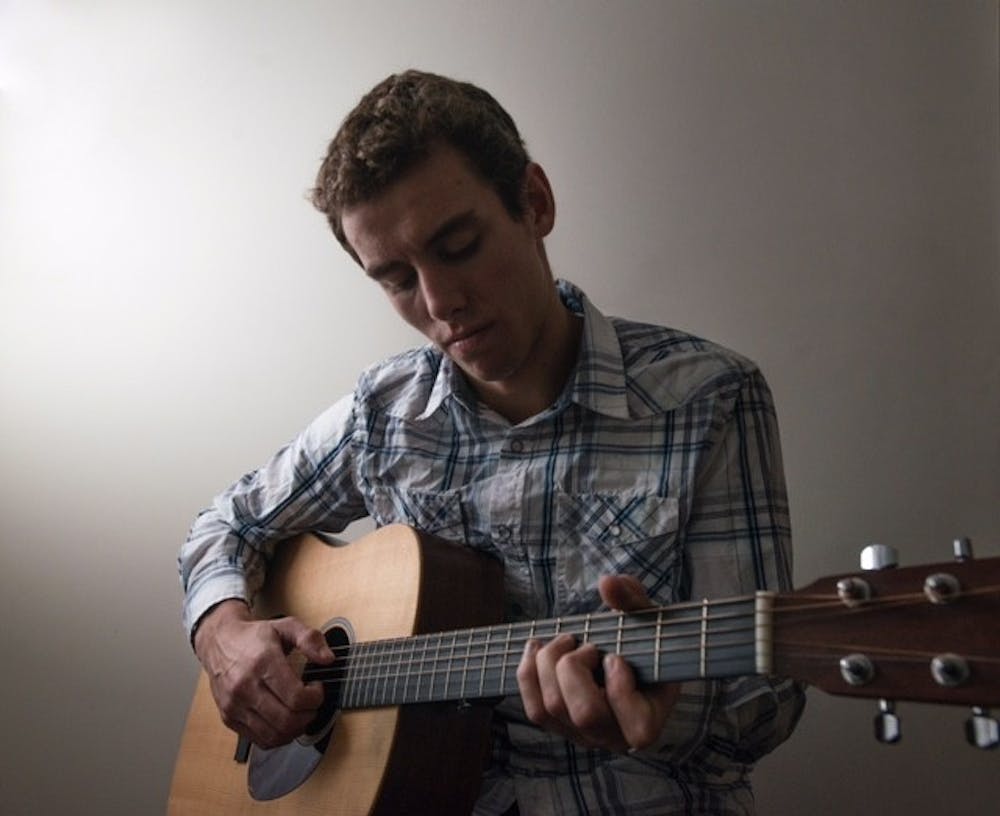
(670, 644)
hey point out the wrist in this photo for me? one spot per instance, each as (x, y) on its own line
(224, 612)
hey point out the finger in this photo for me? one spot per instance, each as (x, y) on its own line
(259, 731)
(623, 592)
(295, 634)
(281, 680)
(640, 714)
(251, 709)
(528, 684)
(546, 661)
(587, 706)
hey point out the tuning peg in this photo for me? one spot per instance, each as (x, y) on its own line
(887, 725)
(982, 730)
(879, 557)
(962, 547)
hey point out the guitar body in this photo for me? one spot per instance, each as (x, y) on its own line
(424, 758)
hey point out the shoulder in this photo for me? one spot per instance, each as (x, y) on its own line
(402, 383)
(666, 368)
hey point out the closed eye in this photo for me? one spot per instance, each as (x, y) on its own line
(394, 278)
(455, 251)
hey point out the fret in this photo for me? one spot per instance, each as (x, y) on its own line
(391, 670)
(586, 629)
(359, 681)
(465, 664)
(435, 672)
(506, 655)
(482, 671)
(451, 657)
(409, 665)
(385, 669)
(347, 686)
(656, 646)
(425, 641)
(378, 674)
(618, 634)
(703, 662)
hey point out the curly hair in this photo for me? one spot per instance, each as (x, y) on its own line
(397, 124)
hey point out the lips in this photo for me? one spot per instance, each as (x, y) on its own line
(466, 341)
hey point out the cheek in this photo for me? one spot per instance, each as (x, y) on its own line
(412, 310)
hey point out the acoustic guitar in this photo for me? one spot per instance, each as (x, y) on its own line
(421, 652)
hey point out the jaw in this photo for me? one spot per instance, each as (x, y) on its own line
(529, 383)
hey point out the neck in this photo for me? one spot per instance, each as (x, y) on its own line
(685, 642)
(540, 383)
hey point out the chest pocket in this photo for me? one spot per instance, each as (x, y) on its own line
(439, 513)
(617, 533)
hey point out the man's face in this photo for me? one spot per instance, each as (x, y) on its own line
(462, 271)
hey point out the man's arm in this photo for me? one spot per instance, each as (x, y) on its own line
(222, 565)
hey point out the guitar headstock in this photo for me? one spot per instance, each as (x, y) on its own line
(926, 633)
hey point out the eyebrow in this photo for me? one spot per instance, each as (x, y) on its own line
(454, 224)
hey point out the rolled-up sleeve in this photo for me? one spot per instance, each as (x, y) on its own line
(310, 484)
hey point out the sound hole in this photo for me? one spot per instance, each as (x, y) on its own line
(278, 771)
(318, 732)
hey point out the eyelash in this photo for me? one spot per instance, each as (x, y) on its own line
(398, 287)
(466, 251)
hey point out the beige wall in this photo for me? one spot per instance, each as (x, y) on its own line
(814, 183)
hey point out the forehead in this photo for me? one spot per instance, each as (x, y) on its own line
(412, 209)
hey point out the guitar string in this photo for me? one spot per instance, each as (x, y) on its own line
(522, 631)
(492, 664)
(609, 620)
(822, 604)
(461, 638)
(469, 656)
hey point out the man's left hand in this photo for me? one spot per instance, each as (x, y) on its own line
(561, 694)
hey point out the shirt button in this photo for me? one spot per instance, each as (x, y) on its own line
(517, 446)
(614, 531)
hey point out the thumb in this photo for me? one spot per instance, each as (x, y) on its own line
(624, 593)
(294, 634)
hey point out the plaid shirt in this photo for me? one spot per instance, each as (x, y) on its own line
(660, 459)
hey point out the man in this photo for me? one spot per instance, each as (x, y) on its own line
(607, 463)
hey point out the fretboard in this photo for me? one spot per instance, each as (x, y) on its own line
(670, 644)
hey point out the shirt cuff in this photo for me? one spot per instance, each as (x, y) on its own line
(203, 599)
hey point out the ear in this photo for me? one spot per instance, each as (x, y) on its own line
(540, 204)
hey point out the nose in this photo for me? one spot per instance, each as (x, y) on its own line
(443, 293)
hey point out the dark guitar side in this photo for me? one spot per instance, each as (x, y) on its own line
(424, 758)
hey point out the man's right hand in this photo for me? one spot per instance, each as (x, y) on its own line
(258, 693)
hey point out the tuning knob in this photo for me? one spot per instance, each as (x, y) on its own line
(888, 728)
(879, 557)
(982, 730)
(962, 548)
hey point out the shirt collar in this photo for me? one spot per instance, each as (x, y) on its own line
(598, 381)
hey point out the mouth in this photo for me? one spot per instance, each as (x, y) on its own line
(465, 341)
